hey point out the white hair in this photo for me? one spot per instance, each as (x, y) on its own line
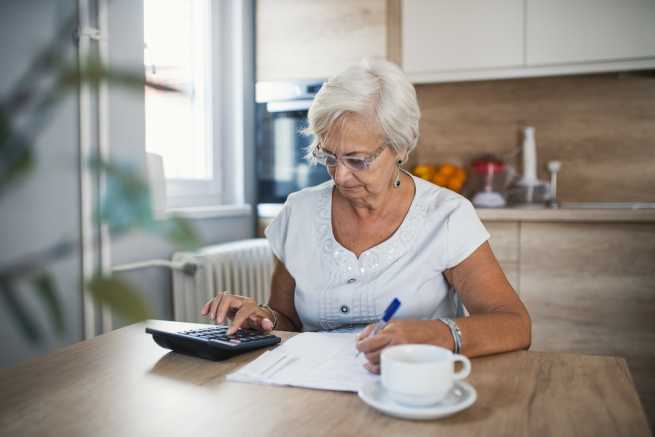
(374, 87)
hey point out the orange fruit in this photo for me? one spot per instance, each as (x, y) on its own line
(447, 169)
(424, 171)
(440, 180)
(455, 184)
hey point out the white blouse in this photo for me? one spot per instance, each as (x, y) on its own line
(335, 289)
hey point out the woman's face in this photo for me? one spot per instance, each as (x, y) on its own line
(354, 135)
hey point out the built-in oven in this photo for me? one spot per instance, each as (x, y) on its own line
(281, 167)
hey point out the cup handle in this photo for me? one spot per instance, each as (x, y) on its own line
(464, 371)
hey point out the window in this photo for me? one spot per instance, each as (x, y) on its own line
(179, 127)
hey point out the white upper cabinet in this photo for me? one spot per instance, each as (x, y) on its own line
(446, 40)
(446, 35)
(573, 31)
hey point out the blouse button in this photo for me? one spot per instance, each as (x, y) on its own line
(352, 280)
(345, 309)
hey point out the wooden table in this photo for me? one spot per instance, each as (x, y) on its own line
(123, 384)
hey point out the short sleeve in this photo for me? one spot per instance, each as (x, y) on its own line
(276, 232)
(465, 233)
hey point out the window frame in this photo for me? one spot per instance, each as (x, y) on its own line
(193, 193)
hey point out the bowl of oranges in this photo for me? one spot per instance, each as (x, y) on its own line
(448, 175)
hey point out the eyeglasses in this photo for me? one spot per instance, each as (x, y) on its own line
(354, 163)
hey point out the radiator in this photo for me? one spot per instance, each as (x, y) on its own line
(242, 267)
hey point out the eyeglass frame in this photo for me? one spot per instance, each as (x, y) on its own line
(367, 160)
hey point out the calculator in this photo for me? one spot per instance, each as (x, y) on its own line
(212, 342)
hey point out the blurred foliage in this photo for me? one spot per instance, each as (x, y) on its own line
(119, 296)
(124, 207)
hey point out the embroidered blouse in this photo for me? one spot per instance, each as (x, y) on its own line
(335, 289)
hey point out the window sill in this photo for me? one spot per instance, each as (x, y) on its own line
(204, 212)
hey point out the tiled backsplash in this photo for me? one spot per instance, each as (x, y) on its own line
(601, 127)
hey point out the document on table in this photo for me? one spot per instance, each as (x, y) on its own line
(318, 360)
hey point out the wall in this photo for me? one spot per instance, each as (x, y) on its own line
(44, 208)
(601, 127)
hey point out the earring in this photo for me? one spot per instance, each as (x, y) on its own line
(396, 183)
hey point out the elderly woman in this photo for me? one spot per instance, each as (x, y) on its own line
(344, 249)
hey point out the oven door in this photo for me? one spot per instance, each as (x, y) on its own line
(281, 149)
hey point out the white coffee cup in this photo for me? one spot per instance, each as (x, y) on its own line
(420, 374)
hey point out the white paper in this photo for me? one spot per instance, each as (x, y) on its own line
(316, 360)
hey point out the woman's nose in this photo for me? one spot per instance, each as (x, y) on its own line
(340, 172)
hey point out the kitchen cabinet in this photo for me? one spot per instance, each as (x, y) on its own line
(589, 286)
(504, 242)
(315, 39)
(564, 31)
(445, 41)
(442, 35)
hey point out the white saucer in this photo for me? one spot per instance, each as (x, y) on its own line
(461, 397)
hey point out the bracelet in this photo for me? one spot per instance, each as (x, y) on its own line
(273, 312)
(455, 332)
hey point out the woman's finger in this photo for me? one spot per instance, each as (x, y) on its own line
(366, 332)
(259, 322)
(371, 344)
(267, 325)
(228, 303)
(241, 316)
(373, 368)
(214, 305)
(373, 357)
(205, 308)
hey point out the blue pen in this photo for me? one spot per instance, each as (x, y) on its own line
(388, 314)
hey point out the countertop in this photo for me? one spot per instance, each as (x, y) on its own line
(571, 212)
(641, 213)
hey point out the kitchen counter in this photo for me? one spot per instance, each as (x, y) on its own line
(568, 213)
(579, 213)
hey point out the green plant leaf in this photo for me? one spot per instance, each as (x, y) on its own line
(16, 155)
(46, 289)
(120, 297)
(127, 205)
(19, 313)
(180, 232)
(126, 202)
(94, 72)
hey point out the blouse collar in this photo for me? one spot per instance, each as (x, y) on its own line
(376, 257)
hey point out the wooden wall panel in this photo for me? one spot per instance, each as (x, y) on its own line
(314, 39)
(601, 127)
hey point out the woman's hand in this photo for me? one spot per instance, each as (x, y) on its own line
(243, 311)
(401, 332)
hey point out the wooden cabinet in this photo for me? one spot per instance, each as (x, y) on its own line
(564, 31)
(442, 35)
(315, 39)
(505, 242)
(589, 288)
